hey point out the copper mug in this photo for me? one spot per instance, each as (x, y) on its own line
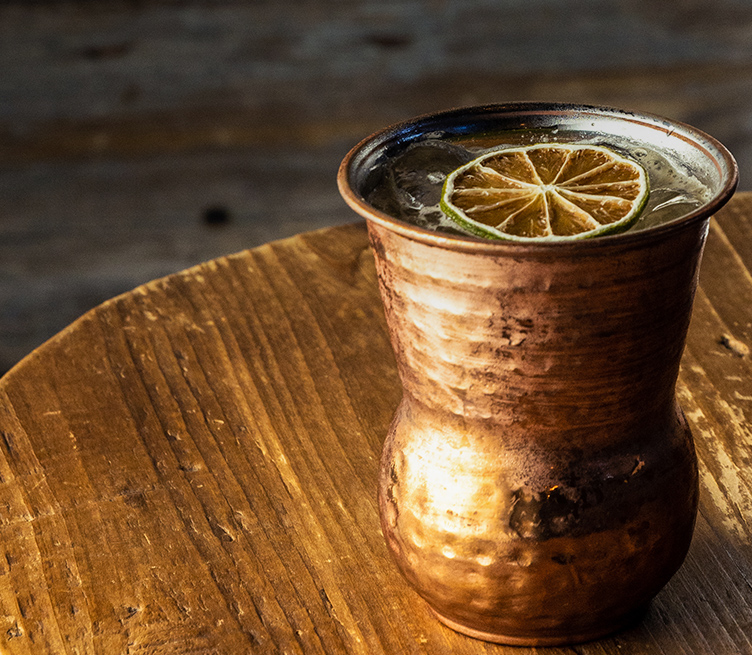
(539, 482)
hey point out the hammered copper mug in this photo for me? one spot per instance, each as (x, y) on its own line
(539, 482)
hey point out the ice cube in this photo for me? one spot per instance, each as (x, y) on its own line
(412, 180)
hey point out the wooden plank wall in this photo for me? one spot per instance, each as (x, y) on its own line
(138, 138)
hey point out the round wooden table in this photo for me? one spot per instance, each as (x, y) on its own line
(191, 468)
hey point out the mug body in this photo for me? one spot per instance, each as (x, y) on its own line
(538, 483)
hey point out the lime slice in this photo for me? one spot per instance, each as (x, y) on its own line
(546, 192)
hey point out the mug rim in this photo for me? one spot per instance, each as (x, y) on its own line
(411, 129)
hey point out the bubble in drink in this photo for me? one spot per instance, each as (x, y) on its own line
(408, 185)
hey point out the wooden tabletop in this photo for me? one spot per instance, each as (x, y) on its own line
(191, 468)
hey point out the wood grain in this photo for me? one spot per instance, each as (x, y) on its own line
(191, 468)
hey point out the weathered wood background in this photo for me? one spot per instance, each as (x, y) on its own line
(138, 138)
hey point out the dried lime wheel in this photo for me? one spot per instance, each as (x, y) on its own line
(546, 192)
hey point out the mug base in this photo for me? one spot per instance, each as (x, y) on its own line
(550, 639)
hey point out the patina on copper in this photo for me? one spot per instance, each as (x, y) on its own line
(539, 482)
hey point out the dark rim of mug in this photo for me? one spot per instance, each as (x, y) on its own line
(410, 130)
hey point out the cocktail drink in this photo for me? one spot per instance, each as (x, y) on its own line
(538, 483)
(408, 186)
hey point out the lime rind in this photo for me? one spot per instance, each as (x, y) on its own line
(488, 232)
